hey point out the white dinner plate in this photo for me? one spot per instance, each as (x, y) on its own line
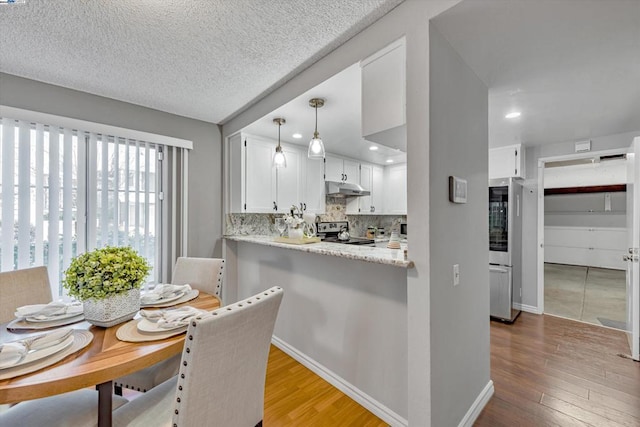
(145, 325)
(163, 300)
(35, 355)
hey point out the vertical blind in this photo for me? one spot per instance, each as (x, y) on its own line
(65, 191)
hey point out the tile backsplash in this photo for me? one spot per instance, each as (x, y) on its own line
(336, 210)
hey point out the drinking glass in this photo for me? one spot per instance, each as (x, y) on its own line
(281, 225)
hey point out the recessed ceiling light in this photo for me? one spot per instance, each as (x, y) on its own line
(297, 135)
(513, 115)
(389, 160)
(373, 148)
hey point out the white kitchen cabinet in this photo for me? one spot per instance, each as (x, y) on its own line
(395, 189)
(314, 191)
(505, 162)
(290, 181)
(266, 188)
(259, 176)
(341, 169)
(372, 179)
(383, 96)
(589, 246)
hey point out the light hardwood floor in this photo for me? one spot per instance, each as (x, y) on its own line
(550, 371)
(295, 396)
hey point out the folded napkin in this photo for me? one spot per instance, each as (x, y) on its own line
(49, 311)
(172, 318)
(13, 352)
(163, 291)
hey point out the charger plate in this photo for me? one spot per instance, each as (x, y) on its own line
(129, 332)
(81, 339)
(192, 294)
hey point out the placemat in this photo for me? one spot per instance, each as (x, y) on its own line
(192, 294)
(129, 332)
(22, 324)
(81, 339)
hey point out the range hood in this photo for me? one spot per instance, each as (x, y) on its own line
(345, 189)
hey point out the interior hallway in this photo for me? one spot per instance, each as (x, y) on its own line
(589, 294)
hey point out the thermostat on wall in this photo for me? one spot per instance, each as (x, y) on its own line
(457, 190)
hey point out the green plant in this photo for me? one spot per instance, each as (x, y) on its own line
(105, 272)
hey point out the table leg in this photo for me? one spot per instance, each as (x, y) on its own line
(104, 404)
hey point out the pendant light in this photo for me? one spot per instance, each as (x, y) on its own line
(279, 161)
(316, 146)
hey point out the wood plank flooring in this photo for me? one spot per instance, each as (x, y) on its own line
(295, 396)
(550, 371)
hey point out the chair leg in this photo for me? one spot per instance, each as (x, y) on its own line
(117, 390)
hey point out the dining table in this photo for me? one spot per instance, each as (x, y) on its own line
(97, 365)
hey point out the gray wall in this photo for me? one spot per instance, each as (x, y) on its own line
(530, 203)
(459, 234)
(467, 373)
(205, 164)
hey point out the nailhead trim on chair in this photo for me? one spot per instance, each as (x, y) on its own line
(188, 355)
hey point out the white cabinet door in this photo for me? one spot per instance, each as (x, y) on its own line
(366, 182)
(290, 181)
(334, 168)
(314, 194)
(395, 200)
(383, 90)
(351, 171)
(505, 162)
(260, 176)
(377, 189)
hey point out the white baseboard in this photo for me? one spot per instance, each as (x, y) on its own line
(528, 308)
(478, 405)
(371, 404)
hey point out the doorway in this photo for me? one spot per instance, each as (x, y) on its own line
(582, 224)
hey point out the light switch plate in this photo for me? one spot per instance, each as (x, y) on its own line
(457, 190)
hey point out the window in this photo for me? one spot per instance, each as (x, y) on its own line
(65, 190)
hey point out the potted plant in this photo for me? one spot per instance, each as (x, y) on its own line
(107, 281)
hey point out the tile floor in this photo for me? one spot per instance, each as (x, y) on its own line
(590, 294)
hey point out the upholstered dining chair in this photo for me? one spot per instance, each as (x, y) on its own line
(222, 371)
(204, 274)
(23, 287)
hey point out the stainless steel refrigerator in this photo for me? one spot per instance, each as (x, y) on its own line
(505, 248)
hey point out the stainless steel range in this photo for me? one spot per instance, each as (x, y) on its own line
(338, 232)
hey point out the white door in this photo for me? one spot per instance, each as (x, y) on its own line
(633, 265)
(290, 180)
(333, 168)
(366, 182)
(260, 177)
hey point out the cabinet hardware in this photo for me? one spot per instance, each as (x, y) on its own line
(275, 206)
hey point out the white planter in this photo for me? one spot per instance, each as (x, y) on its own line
(112, 310)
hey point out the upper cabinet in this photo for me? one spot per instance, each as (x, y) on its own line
(505, 162)
(339, 169)
(314, 191)
(395, 195)
(372, 179)
(383, 96)
(262, 187)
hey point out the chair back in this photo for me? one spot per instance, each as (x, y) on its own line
(23, 287)
(204, 274)
(224, 364)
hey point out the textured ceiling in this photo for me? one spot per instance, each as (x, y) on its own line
(205, 59)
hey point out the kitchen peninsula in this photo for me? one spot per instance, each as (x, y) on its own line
(344, 312)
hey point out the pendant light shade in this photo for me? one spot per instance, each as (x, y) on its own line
(279, 160)
(316, 146)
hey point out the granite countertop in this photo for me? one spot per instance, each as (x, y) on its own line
(394, 257)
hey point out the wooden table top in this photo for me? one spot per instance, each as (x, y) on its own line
(105, 359)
